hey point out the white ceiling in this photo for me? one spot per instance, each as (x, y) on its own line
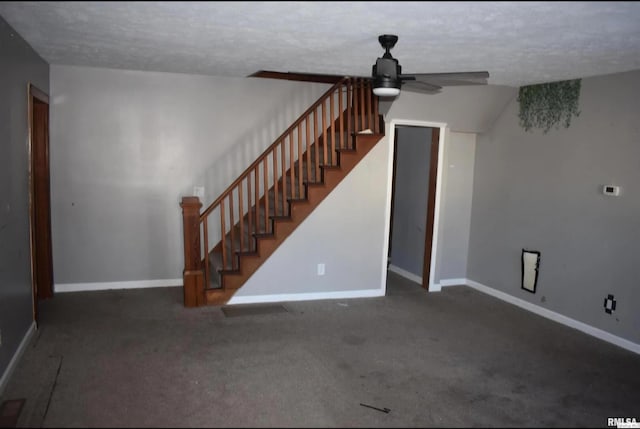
(519, 43)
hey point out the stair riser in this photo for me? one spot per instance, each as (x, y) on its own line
(218, 297)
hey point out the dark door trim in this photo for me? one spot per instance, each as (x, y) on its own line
(39, 197)
(431, 206)
(393, 193)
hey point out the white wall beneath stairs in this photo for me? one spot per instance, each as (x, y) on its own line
(345, 232)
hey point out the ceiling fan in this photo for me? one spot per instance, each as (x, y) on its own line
(387, 76)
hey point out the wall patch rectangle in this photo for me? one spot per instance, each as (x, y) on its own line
(530, 265)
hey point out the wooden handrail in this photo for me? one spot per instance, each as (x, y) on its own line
(268, 150)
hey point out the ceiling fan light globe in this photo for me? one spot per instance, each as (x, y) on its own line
(386, 92)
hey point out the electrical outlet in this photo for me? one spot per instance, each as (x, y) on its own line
(321, 269)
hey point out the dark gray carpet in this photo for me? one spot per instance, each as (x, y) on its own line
(138, 358)
(252, 309)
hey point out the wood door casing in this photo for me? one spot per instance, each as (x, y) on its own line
(431, 205)
(40, 197)
(393, 196)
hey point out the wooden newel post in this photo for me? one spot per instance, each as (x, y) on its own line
(193, 277)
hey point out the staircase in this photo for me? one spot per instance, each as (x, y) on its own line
(263, 206)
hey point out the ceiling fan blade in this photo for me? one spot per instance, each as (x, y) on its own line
(453, 79)
(420, 86)
(304, 77)
(457, 75)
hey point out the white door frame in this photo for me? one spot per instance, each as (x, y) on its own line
(390, 131)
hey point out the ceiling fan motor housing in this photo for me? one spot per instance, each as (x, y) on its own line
(386, 72)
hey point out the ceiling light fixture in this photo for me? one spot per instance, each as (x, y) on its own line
(386, 84)
(382, 91)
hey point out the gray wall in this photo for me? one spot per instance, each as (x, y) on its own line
(411, 197)
(127, 145)
(455, 214)
(543, 192)
(20, 65)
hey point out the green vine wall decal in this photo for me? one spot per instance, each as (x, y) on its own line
(549, 104)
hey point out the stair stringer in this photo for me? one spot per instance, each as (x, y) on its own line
(346, 232)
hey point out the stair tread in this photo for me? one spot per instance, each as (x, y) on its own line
(281, 217)
(248, 253)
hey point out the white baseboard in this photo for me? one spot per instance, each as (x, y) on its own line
(254, 299)
(557, 317)
(406, 274)
(452, 282)
(13, 363)
(436, 287)
(136, 284)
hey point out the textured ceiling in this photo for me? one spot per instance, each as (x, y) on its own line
(519, 43)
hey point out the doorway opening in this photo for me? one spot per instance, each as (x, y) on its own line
(39, 198)
(413, 208)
